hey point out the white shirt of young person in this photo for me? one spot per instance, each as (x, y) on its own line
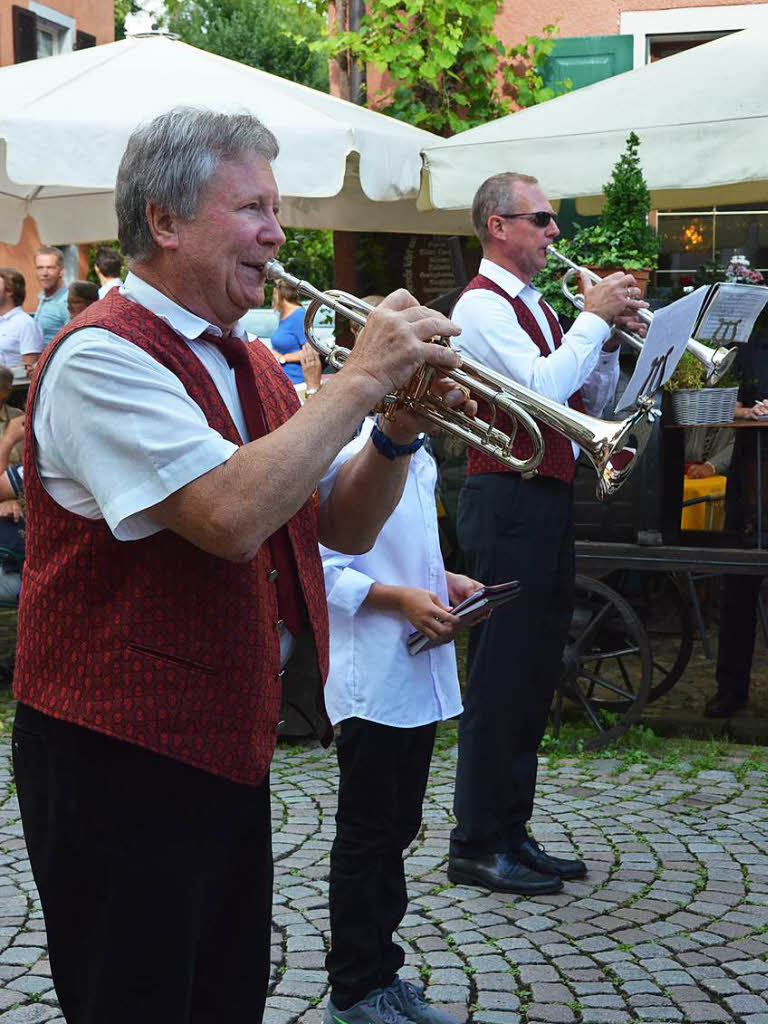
(372, 675)
(19, 336)
(491, 334)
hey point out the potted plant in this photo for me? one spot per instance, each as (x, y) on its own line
(621, 240)
(693, 402)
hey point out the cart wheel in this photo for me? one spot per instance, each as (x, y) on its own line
(607, 657)
(661, 601)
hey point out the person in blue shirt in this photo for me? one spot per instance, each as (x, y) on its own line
(51, 313)
(289, 338)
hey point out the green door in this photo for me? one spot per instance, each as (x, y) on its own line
(585, 60)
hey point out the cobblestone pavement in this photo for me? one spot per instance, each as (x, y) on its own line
(671, 924)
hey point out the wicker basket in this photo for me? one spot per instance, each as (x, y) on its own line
(697, 407)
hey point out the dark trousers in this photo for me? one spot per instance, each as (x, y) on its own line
(736, 636)
(155, 879)
(383, 778)
(510, 528)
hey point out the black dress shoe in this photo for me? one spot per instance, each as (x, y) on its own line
(535, 856)
(723, 705)
(500, 873)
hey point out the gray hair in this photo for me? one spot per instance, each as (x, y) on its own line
(496, 192)
(170, 162)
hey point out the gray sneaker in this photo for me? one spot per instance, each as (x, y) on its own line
(410, 1001)
(379, 1007)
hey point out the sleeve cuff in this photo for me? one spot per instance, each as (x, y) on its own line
(607, 360)
(593, 327)
(119, 512)
(349, 591)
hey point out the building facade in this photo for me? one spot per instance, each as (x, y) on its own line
(32, 31)
(602, 38)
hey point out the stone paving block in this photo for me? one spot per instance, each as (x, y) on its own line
(488, 964)
(448, 993)
(537, 972)
(556, 1013)
(33, 1014)
(498, 1001)
(702, 1012)
(500, 982)
(743, 1004)
(550, 992)
(592, 1015)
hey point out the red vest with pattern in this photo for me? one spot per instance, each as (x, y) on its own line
(154, 641)
(558, 458)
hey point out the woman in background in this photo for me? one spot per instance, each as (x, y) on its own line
(288, 339)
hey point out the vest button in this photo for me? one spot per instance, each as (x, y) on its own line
(273, 574)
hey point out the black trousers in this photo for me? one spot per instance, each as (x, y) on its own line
(383, 778)
(155, 879)
(510, 528)
(736, 636)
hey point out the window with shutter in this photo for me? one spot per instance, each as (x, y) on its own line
(585, 60)
(24, 34)
(83, 40)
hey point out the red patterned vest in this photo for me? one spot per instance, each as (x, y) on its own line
(155, 641)
(558, 458)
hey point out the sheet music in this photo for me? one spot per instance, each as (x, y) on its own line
(731, 314)
(663, 347)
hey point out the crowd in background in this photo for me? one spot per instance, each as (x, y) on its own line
(23, 339)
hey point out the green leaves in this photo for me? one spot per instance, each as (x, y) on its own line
(261, 33)
(447, 70)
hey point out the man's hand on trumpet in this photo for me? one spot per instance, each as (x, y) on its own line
(616, 299)
(393, 345)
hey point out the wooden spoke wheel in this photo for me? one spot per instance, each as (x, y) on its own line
(607, 659)
(661, 602)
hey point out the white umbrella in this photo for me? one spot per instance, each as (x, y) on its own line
(67, 120)
(701, 116)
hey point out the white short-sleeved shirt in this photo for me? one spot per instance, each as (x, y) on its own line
(19, 335)
(109, 284)
(116, 431)
(491, 334)
(372, 675)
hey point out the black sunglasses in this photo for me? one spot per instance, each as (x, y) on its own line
(540, 218)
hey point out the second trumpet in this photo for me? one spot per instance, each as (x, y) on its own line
(612, 447)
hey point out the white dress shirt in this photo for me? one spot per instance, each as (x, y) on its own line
(372, 675)
(492, 335)
(19, 335)
(109, 284)
(116, 430)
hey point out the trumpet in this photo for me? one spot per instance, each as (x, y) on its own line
(612, 447)
(716, 362)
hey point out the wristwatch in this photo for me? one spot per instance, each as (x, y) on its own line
(387, 447)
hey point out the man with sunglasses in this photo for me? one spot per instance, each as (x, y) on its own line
(515, 528)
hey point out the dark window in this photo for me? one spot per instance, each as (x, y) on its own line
(24, 34)
(83, 40)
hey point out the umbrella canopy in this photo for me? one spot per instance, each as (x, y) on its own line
(68, 119)
(701, 116)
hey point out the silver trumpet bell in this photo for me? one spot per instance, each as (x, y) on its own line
(716, 361)
(612, 447)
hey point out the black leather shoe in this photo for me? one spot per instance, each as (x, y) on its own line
(500, 873)
(723, 705)
(535, 856)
